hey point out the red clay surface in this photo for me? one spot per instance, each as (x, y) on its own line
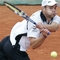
(52, 43)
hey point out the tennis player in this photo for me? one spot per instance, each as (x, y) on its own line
(25, 34)
(45, 19)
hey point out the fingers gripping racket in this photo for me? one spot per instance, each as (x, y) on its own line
(20, 12)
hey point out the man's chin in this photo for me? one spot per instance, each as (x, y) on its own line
(51, 16)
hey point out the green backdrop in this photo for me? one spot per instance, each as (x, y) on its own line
(32, 2)
(22, 1)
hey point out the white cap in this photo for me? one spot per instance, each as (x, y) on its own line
(48, 2)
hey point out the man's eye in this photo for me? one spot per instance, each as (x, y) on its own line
(51, 7)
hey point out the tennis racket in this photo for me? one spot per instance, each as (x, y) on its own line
(20, 12)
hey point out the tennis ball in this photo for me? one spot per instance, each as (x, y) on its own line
(54, 54)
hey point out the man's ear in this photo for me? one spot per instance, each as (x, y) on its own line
(43, 8)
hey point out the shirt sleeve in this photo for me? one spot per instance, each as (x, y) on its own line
(33, 31)
(56, 19)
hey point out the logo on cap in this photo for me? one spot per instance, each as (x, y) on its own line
(49, 1)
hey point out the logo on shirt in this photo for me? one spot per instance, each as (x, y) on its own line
(35, 29)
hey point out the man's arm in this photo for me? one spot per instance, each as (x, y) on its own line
(36, 42)
(51, 27)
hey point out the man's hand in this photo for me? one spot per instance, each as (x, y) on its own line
(42, 28)
(39, 25)
(44, 32)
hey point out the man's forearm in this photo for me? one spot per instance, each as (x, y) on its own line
(37, 42)
(52, 27)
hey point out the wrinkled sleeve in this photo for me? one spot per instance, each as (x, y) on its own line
(32, 31)
(56, 19)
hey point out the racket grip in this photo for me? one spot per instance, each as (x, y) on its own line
(48, 33)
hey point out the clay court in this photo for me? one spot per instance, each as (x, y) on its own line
(52, 43)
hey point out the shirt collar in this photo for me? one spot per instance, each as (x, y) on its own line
(43, 17)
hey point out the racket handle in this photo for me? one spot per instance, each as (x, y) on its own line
(48, 33)
(29, 19)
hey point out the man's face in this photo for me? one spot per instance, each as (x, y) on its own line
(50, 11)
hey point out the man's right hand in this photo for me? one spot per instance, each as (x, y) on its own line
(42, 28)
(44, 32)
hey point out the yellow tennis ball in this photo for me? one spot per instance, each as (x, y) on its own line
(54, 54)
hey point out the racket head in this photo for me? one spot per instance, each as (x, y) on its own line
(18, 11)
(15, 9)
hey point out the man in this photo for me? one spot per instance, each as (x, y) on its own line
(25, 34)
(46, 19)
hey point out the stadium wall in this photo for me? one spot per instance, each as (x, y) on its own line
(23, 2)
(32, 2)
